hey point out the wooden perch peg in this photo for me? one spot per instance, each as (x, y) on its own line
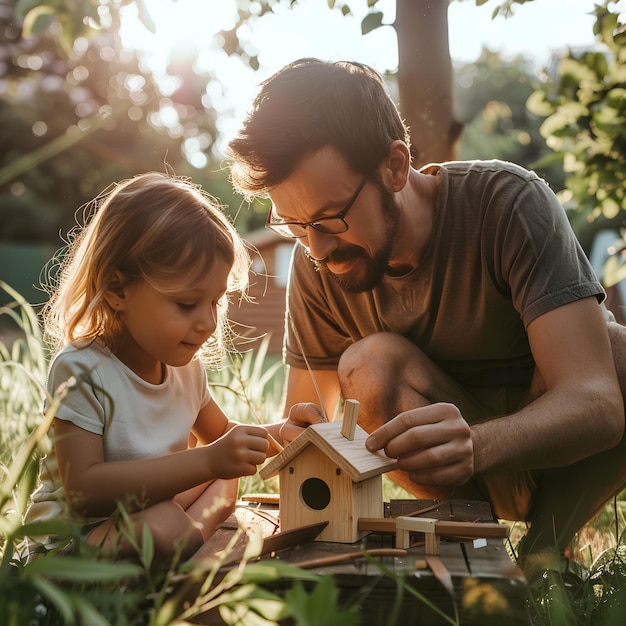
(350, 415)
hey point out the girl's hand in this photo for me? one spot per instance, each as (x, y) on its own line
(300, 416)
(238, 452)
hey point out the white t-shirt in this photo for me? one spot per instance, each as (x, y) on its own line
(136, 419)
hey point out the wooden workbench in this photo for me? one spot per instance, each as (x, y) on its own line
(488, 589)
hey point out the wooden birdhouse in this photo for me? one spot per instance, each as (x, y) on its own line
(325, 476)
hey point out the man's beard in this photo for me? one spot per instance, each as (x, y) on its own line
(372, 268)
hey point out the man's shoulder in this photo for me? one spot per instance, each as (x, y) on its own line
(485, 168)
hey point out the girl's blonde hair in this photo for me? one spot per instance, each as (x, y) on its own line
(155, 227)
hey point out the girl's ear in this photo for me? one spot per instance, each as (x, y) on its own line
(115, 295)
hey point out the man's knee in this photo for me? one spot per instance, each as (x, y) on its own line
(376, 353)
(388, 374)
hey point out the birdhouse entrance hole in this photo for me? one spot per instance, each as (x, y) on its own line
(315, 493)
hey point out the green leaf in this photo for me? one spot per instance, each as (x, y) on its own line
(77, 569)
(270, 570)
(254, 545)
(89, 614)
(371, 22)
(57, 596)
(260, 601)
(240, 614)
(147, 546)
(321, 606)
(59, 527)
(37, 20)
(613, 272)
(538, 104)
(22, 7)
(616, 97)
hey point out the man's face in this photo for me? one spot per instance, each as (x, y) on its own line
(365, 269)
(320, 187)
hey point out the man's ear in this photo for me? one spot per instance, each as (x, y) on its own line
(115, 295)
(397, 166)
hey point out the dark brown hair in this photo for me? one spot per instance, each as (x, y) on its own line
(305, 106)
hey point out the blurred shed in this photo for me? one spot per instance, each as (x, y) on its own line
(264, 314)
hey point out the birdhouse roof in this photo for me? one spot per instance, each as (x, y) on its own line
(350, 455)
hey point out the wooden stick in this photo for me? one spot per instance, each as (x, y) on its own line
(341, 558)
(443, 528)
(350, 414)
(274, 442)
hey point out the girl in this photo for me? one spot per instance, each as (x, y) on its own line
(140, 302)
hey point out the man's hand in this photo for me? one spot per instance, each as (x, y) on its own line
(433, 444)
(300, 416)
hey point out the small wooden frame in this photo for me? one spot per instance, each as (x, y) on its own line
(426, 525)
(433, 529)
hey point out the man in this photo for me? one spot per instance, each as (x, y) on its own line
(453, 302)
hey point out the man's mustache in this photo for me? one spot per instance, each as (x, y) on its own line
(340, 256)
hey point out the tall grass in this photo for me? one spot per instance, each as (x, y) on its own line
(79, 588)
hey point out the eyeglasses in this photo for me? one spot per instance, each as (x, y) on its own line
(333, 225)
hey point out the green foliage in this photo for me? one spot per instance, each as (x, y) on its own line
(562, 598)
(23, 367)
(108, 121)
(585, 110)
(319, 607)
(490, 100)
(249, 390)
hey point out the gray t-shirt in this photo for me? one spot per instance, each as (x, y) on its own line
(502, 253)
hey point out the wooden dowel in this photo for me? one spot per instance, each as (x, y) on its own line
(443, 528)
(340, 558)
(350, 415)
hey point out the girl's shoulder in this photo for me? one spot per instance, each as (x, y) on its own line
(86, 352)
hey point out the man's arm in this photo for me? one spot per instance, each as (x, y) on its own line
(301, 388)
(579, 413)
(582, 410)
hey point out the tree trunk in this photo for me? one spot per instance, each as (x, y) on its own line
(425, 79)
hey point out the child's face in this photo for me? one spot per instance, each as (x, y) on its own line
(169, 328)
